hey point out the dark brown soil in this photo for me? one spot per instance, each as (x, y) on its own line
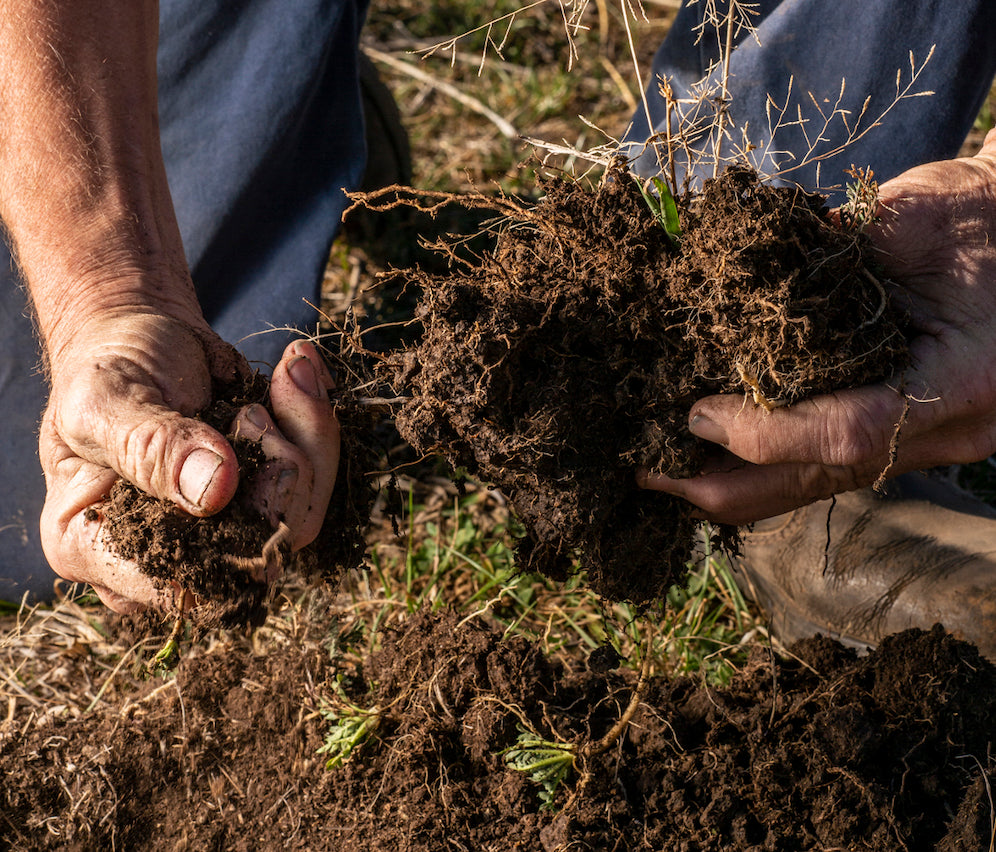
(556, 363)
(890, 752)
(568, 356)
(210, 557)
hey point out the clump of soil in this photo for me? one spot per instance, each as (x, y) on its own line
(216, 558)
(571, 354)
(200, 555)
(824, 751)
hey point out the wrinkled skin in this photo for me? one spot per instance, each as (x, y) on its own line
(124, 407)
(937, 239)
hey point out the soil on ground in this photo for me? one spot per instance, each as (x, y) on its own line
(823, 751)
(569, 355)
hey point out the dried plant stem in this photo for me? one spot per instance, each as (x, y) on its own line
(639, 77)
(505, 128)
(724, 93)
(616, 731)
(670, 105)
(381, 402)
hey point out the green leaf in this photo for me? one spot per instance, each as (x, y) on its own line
(663, 206)
(668, 208)
(547, 763)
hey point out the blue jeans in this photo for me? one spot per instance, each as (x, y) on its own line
(816, 44)
(261, 130)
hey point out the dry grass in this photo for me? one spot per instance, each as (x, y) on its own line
(540, 83)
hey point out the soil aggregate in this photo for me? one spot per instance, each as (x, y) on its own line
(822, 751)
(211, 558)
(555, 364)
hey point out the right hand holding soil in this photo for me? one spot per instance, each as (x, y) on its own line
(123, 394)
(937, 238)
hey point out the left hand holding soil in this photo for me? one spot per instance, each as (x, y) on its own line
(937, 239)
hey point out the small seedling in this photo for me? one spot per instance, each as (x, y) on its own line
(547, 763)
(350, 727)
(167, 657)
(861, 207)
(663, 206)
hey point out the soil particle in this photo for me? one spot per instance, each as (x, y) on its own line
(825, 751)
(570, 354)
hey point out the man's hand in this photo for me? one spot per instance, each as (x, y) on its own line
(85, 201)
(937, 239)
(123, 392)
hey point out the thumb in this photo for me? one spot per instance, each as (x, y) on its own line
(169, 456)
(850, 428)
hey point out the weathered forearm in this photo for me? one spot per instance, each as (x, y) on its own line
(83, 190)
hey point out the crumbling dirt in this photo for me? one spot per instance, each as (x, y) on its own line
(561, 360)
(825, 751)
(218, 559)
(558, 363)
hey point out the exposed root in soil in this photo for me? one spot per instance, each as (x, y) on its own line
(571, 354)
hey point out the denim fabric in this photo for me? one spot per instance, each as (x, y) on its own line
(817, 44)
(261, 129)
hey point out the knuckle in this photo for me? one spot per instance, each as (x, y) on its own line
(143, 453)
(821, 483)
(848, 440)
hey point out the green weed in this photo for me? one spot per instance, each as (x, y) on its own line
(350, 727)
(663, 206)
(547, 763)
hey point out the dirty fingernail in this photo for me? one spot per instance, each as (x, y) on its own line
(305, 376)
(257, 415)
(197, 473)
(708, 430)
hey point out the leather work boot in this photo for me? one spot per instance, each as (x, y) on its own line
(921, 554)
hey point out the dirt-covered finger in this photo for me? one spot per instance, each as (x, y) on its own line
(847, 429)
(299, 394)
(281, 488)
(754, 492)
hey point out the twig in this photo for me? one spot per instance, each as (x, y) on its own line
(639, 76)
(381, 402)
(504, 127)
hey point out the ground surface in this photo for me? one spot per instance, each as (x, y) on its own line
(819, 751)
